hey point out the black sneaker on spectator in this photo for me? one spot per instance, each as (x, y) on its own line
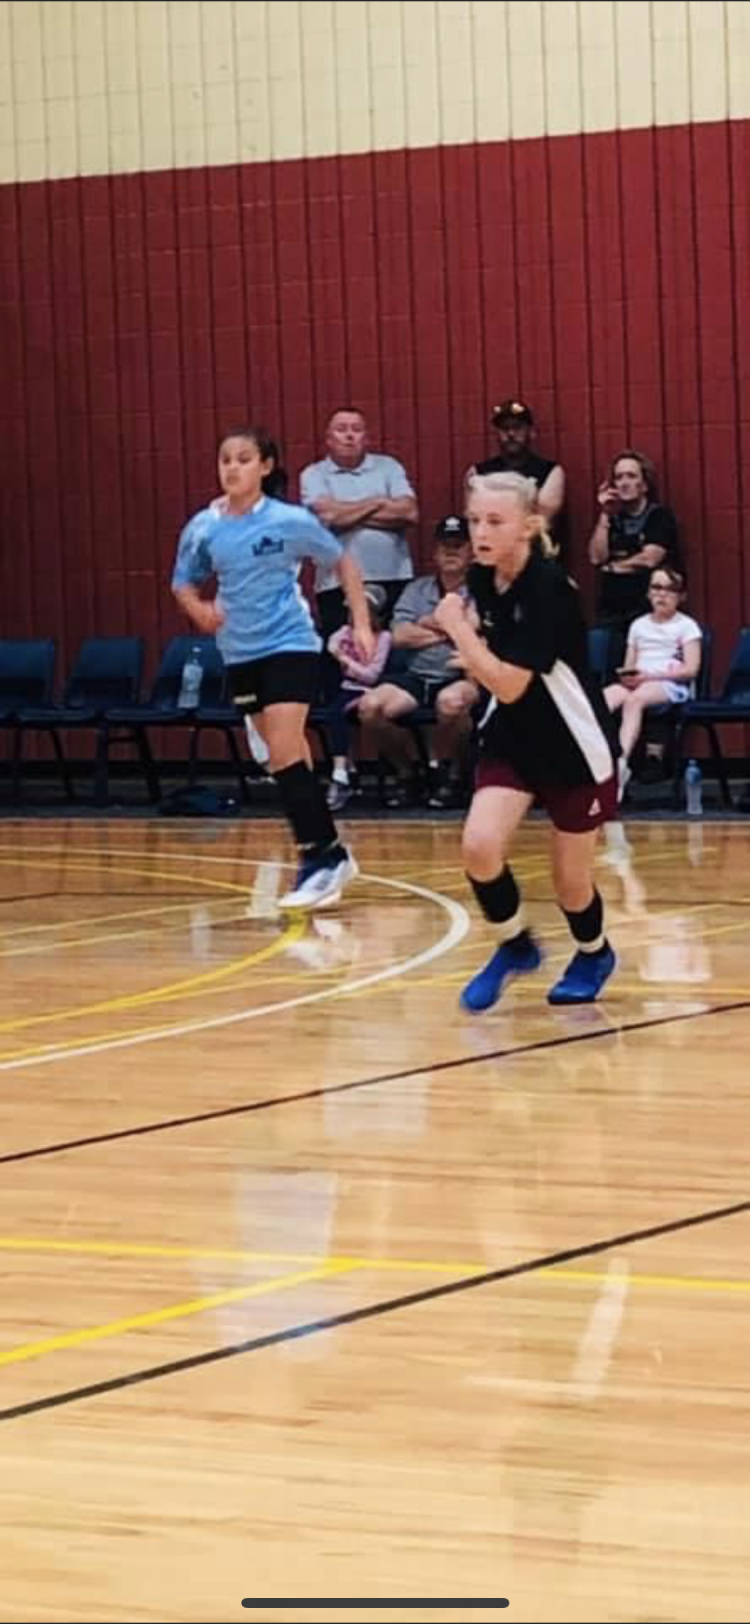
(652, 770)
(445, 791)
(405, 792)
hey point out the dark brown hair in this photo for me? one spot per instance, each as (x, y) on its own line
(276, 482)
(647, 469)
(674, 577)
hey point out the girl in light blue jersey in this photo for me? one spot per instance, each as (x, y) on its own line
(254, 546)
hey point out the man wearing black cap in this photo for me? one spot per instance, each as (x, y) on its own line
(429, 675)
(514, 422)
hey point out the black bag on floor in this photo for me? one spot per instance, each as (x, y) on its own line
(197, 801)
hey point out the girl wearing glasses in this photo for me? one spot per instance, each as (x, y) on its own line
(661, 663)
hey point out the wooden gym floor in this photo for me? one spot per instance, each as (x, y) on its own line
(315, 1287)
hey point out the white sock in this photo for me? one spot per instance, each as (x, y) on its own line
(256, 743)
(340, 775)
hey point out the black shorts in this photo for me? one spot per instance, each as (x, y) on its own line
(422, 689)
(279, 679)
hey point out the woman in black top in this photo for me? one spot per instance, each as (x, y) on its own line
(634, 534)
(544, 736)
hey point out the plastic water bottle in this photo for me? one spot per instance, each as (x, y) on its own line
(192, 679)
(694, 790)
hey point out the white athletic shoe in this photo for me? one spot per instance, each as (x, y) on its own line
(318, 886)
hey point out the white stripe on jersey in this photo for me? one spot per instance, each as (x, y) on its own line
(492, 705)
(579, 716)
(304, 604)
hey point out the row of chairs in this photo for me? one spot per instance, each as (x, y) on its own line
(103, 695)
(103, 690)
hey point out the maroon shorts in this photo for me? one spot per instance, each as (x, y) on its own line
(573, 808)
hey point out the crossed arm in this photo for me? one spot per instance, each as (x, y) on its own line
(379, 512)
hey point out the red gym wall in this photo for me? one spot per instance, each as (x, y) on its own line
(605, 276)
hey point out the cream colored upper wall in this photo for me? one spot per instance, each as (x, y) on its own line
(102, 86)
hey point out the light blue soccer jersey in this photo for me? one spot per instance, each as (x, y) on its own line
(256, 558)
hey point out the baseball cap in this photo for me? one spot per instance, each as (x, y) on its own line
(514, 410)
(452, 530)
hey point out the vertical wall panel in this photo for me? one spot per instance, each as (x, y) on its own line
(683, 461)
(718, 406)
(566, 403)
(739, 159)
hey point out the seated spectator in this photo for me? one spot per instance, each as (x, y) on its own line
(431, 675)
(367, 500)
(634, 534)
(661, 663)
(514, 422)
(357, 677)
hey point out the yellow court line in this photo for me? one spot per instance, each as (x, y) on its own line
(168, 993)
(100, 937)
(695, 991)
(33, 1243)
(100, 919)
(670, 1282)
(160, 1316)
(79, 866)
(523, 994)
(340, 1264)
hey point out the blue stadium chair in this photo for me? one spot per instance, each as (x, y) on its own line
(731, 705)
(222, 716)
(27, 674)
(106, 670)
(601, 653)
(130, 723)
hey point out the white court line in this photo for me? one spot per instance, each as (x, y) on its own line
(457, 930)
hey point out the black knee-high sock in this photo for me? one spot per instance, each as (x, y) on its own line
(500, 902)
(305, 807)
(587, 926)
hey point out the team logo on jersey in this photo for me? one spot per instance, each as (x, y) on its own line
(266, 545)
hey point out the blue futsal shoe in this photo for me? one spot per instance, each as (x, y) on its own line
(516, 958)
(584, 978)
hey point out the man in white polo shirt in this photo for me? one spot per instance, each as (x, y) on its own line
(367, 500)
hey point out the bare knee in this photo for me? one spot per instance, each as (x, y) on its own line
(450, 707)
(483, 857)
(573, 870)
(370, 708)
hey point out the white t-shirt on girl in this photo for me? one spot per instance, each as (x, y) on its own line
(660, 644)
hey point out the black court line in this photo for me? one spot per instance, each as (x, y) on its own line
(275, 1102)
(354, 1316)
(379, 1601)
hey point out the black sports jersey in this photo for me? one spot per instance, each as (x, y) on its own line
(623, 596)
(558, 732)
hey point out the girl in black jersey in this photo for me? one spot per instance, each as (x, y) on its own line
(544, 736)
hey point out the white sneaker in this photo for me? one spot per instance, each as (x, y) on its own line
(318, 886)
